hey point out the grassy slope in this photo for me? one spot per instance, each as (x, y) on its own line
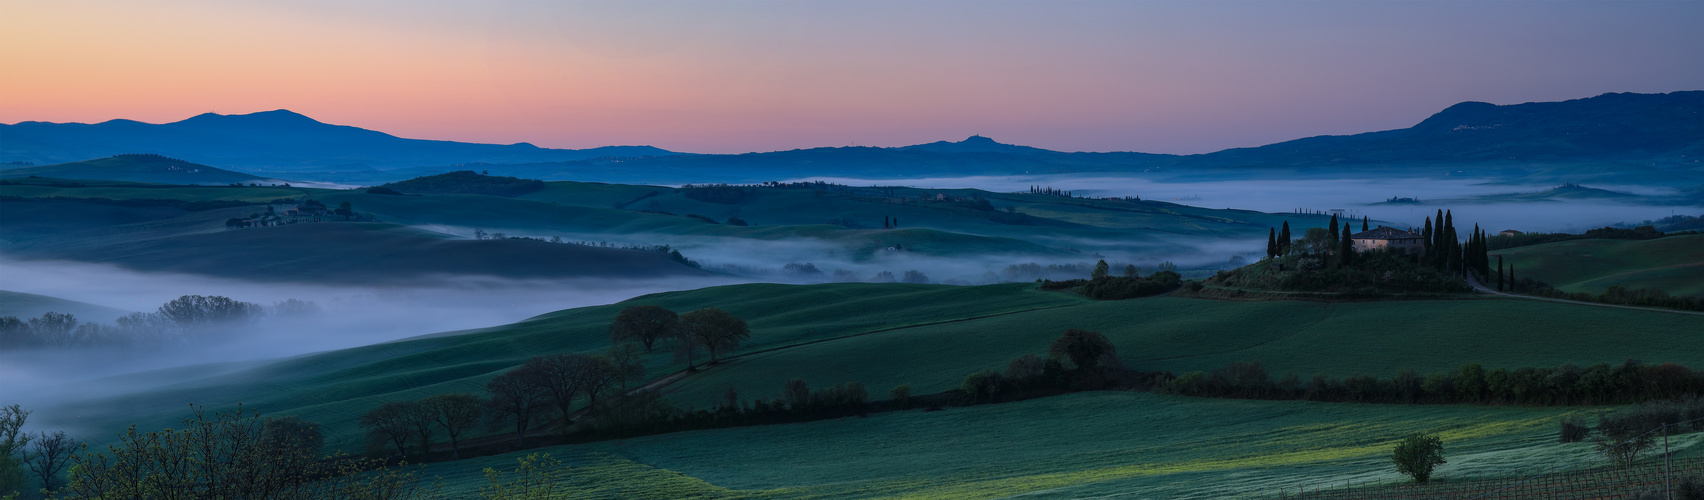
(930, 336)
(136, 168)
(1074, 446)
(29, 305)
(369, 252)
(1674, 264)
(120, 190)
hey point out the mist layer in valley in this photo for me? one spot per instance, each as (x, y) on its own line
(1475, 200)
(344, 316)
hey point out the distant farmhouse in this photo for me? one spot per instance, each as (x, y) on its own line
(1387, 238)
(1510, 232)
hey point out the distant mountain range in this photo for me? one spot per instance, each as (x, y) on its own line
(270, 142)
(1662, 131)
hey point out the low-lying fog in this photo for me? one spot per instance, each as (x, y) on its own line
(1357, 196)
(348, 317)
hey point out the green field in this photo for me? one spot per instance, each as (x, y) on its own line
(931, 336)
(1129, 445)
(136, 168)
(1674, 264)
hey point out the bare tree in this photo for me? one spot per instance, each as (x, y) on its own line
(715, 330)
(48, 455)
(12, 443)
(514, 395)
(420, 419)
(629, 363)
(197, 311)
(389, 423)
(455, 413)
(644, 324)
(559, 376)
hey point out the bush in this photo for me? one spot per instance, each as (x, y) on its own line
(1574, 429)
(982, 386)
(1417, 455)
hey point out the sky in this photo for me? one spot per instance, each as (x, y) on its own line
(732, 77)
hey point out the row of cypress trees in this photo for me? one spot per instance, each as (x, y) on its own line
(1444, 251)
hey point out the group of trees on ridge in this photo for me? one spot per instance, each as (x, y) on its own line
(182, 318)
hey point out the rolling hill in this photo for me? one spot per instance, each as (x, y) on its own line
(931, 336)
(29, 305)
(139, 168)
(270, 141)
(1674, 264)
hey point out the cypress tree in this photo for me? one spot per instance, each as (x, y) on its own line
(1284, 239)
(1499, 273)
(1426, 242)
(1331, 228)
(1272, 243)
(1346, 250)
(1363, 223)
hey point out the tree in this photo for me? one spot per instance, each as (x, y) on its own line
(12, 443)
(48, 455)
(223, 455)
(1130, 271)
(388, 423)
(199, 311)
(1363, 223)
(54, 329)
(797, 394)
(1426, 242)
(915, 276)
(628, 362)
(1100, 271)
(515, 396)
(559, 376)
(1417, 455)
(1089, 351)
(455, 413)
(645, 324)
(344, 210)
(1271, 242)
(421, 418)
(1332, 226)
(1284, 239)
(715, 330)
(291, 434)
(1346, 247)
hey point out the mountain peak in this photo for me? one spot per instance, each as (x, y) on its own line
(979, 140)
(275, 117)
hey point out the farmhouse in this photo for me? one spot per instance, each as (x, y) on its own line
(1510, 232)
(1387, 238)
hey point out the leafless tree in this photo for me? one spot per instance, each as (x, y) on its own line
(644, 324)
(389, 423)
(455, 413)
(517, 397)
(48, 455)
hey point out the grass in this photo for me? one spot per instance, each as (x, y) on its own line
(931, 336)
(136, 168)
(1674, 264)
(1072, 446)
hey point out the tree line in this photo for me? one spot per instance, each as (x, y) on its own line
(1567, 384)
(226, 454)
(182, 318)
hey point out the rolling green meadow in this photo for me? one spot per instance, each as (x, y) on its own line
(1674, 264)
(930, 336)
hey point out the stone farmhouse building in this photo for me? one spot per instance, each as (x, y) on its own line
(1387, 238)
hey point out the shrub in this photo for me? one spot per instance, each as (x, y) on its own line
(1574, 429)
(1417, 455)
(982, 386)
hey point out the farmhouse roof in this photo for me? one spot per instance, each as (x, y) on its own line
(1383, 233)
